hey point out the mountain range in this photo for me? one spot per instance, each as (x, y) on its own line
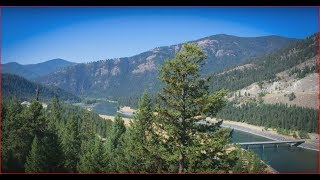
(130, 76)
(32, 71)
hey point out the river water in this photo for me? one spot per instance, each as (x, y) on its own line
(282, 159)
(108, 108)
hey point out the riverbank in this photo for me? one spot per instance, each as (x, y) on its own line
(312, 144)
(126, 120)
(126, 110)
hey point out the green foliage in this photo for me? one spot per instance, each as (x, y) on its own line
(268, 66)
(118, 129)
(278, 116)
(291, 96)
(97, 79)
(71, 144)
(114, 151)
(303, 135)
(45, 155)
(262, 94)
(260, 84)
(36, 161)
(301, 73)
(53, 152)
(245, 161)
(15, 139)
(92, 158)
(168, 138)
(186, 101)
(141, 147)
(283, 131)
(24, 90)
(55, 128)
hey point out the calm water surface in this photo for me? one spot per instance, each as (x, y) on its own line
(284, 158)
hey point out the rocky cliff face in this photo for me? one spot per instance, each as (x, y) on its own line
(132, 75)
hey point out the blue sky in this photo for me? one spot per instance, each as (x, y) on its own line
(32, 35)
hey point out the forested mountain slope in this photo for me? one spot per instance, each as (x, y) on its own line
(23, 89)
(130, 76)
(32, 71)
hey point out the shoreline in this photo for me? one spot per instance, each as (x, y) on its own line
(111, 118)
(272, 135)
(240, 126)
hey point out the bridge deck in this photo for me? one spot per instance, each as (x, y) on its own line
(272, 142)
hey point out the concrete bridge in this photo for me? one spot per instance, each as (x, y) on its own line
(275, 143)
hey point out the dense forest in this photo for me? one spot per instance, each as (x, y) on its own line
(36, 139)
(266, 68)
(162, 137)
(279, 116)
(25, 90)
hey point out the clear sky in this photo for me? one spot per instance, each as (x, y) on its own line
(32, 35)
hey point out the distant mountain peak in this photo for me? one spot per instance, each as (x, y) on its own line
(132, 75)
(32, 71)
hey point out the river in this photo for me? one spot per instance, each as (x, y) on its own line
(283, 159)
(108, 108)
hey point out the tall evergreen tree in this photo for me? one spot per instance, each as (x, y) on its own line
(35, 116)
(92, 158)
(71, 144)
(114, 152)
(14, 146)
(118, 129)
(36, 161)
(185, 102)
(55, 118)
(87, 127)
(138, 147)
(85, 161)
(53, 152)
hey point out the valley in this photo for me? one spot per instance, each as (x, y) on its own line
(159, 90)
(259, 79)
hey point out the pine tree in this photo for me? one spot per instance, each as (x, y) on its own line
(138, 147)
(185, 101)
(53, 152)
(87, 127)
(55, 118)
(85, 162)
(92, 159)
(35, 116)
(71, 144)
(14, 146)
(114, 153)
(36, 161)
(118, 129)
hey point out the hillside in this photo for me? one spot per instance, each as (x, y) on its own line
(288, 70)
(32, 71)
(305, 88)
(13, 85)
(130, 76)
